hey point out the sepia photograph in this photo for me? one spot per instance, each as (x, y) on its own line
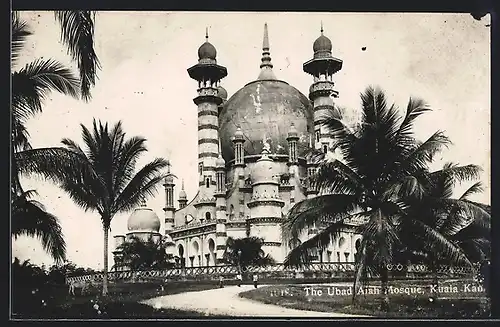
(212, 165)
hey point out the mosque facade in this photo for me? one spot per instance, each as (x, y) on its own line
(252, 163)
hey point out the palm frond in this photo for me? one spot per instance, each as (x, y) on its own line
(32, 84)
(144, 183)
(415, 108)
(19, 34)
(334, 207)
(30, 218)
(303, 252)
(474, 189)
(78, 35)
(438, 243)
(20, 136)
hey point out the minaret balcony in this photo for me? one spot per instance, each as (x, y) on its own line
(208, 91)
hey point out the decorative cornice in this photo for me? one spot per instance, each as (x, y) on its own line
(271, 244)
(221, 208)
(207, 98)
(205, 201)
(208, 126)
(220, 247)
(264, 202)
(236, 224)
(273, 220)
(221, 221)
(220, 234)
(170, 208)
(193, 229)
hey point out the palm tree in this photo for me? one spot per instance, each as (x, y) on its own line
(244, 252)
(30, 87)
(138, 254)
(379, 159)
(463, 224)
(109, 184)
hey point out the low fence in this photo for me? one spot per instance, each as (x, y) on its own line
(275, 271)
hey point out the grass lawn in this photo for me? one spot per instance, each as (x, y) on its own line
(455, 300)
(121, 303)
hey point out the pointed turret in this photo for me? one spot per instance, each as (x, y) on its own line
(266, 67)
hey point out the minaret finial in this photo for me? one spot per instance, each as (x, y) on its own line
(266, 66)
(206, 33)
(182, 187)
(265, 42)
(143, 202)
(321, 27)
(220, 149)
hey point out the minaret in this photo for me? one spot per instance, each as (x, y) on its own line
(208, 75)
(293, 161)
(322, 67)
(182, 197)
(266, 204)
(169, 206)
(239, 156)
(220, 207)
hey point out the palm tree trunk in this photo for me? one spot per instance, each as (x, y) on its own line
(105, 273)
(384, 281)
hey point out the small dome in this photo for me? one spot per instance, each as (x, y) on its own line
(322, 43)
(207, 51)
(182, 195)
(143, 219)
(220, 162)
(222, 93)
(238, 135)
(264, 169)
(293, 131)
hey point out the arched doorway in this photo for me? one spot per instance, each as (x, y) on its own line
(195, 254)
(182, 259)
(211, 253)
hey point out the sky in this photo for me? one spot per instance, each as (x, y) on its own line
(441, 58)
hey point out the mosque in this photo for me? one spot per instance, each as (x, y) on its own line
(252, 162)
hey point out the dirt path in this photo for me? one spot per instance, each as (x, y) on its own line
(225, 301)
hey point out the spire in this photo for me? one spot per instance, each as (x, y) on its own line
(182, 186)
(266, 65)
(143, 202)
(321, 28)
(206, 33)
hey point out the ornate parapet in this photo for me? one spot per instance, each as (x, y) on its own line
(192, 229)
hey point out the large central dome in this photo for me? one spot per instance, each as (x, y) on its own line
(264, 110)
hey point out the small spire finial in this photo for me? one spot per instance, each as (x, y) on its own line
(206, 33)
(182, 187)
(265, 42)
(266, 66)
(143, 202)
(321, 27)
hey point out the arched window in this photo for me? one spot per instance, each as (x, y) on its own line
(325, 148)
(317, 136)
(208, 216)
(207, 182)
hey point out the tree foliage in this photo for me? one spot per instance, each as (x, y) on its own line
(139, 254)
(246, 252)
